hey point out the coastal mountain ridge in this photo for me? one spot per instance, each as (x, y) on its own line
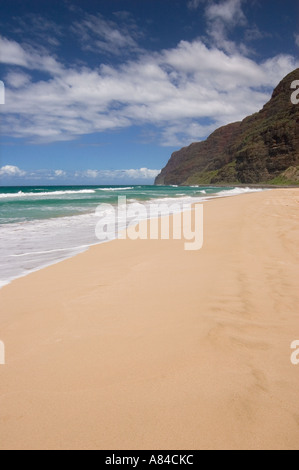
(261, 149)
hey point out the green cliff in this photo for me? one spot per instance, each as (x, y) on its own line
(262, 149)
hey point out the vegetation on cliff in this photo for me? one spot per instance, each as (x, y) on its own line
(262, 149)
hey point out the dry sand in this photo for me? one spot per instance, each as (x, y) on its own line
(142, 345)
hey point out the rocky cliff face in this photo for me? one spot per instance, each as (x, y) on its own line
(264, 148)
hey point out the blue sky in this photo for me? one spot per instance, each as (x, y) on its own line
(102, 92)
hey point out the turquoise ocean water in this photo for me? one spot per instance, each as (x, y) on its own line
(40, 226)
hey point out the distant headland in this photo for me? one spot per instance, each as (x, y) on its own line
(262, 149)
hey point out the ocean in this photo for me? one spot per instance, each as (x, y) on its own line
(40, 226)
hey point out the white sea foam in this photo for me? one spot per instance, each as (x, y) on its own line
(30, 246)
(47, 194)
(237, 191)
(4, 283)
(26, 247)
(59, 250)
(115, 189)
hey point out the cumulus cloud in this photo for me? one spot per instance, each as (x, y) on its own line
(13, 53)
(142, 173)
(132, 174)
(17, 79)
(90, 173)
(222, 18)
(11, 171)
(92, 176)
(228, 11)
(184, 93)
(60, 173)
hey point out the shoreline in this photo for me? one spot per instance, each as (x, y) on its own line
(239, 185)
(79, 249)
(142, 345)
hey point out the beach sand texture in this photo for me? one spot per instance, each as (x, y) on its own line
(142, 345)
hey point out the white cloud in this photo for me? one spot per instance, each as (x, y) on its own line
(228, 11)
(142, 173)
(222, 18)
(12, 53)
(11, 171)
(132, 174)
(186, 92)
(92, 175)
(60, 173)
(99, 34)
(17, 79)
(42, 30)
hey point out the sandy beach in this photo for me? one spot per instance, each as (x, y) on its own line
(142, 345)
